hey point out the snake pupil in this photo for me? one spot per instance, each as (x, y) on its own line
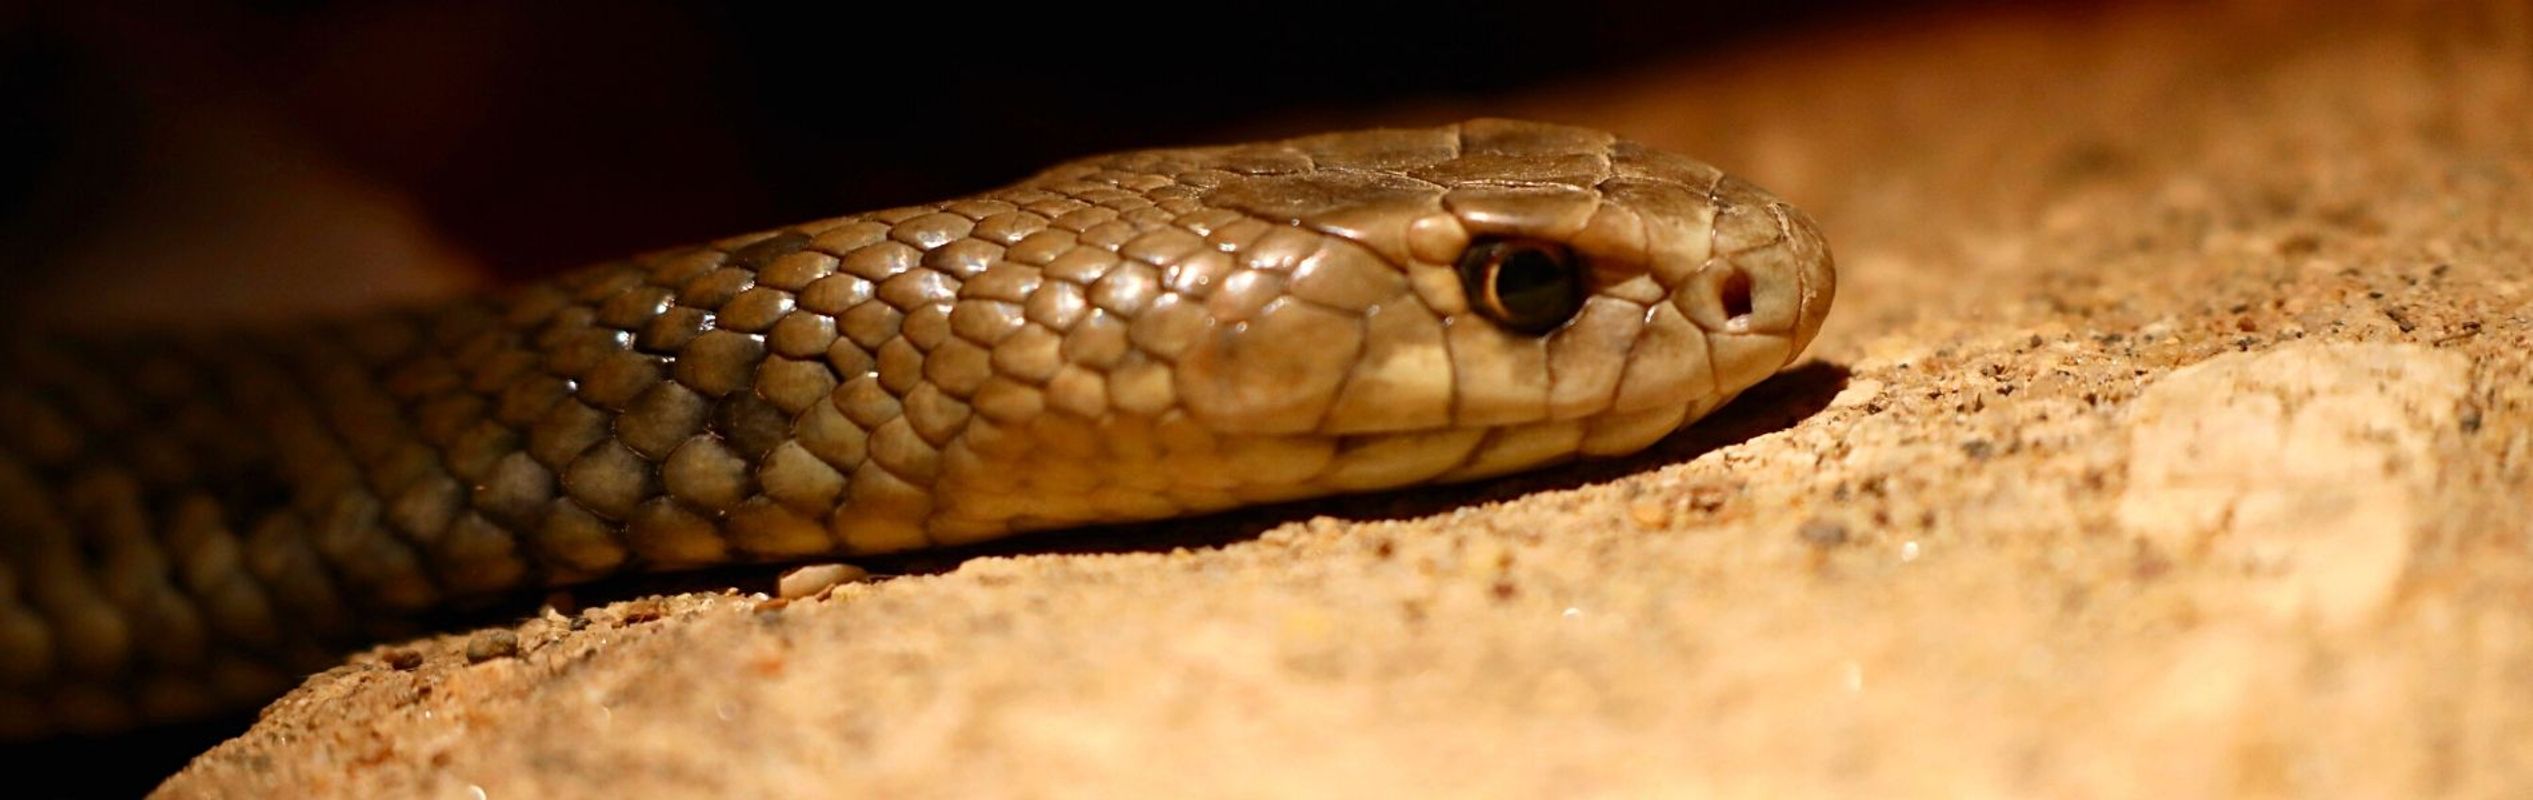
(1529, 287)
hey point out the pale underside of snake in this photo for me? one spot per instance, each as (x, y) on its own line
(190, 521)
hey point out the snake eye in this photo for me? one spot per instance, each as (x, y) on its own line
(1526, 286)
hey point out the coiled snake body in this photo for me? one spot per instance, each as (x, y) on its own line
(186, 521)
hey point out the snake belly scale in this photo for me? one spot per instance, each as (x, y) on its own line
(190, 520)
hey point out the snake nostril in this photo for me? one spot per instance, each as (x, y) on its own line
(1733, 295)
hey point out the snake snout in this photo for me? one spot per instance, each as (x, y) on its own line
(1763, 289)
(1819, 278)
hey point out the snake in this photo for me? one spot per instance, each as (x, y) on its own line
(190, 520)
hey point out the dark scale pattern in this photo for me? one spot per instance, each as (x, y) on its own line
(187, 522)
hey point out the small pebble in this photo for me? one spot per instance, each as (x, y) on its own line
(644, 610)
(492, 644)
(810, 580)
(1822, 532)
(1649, 513)
(403, 658)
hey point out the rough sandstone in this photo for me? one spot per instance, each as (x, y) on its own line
(2173, 436)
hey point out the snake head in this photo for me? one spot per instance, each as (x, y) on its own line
(1376, 308)
(1498, 273)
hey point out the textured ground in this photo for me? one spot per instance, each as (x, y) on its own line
(2173, 436)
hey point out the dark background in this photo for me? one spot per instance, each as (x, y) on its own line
(540, 135)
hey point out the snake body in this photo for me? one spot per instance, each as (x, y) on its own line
(188, 521)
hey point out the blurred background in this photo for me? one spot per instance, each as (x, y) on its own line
(263, 158)
(2224, 168)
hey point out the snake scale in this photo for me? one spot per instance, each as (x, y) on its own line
(191, 520)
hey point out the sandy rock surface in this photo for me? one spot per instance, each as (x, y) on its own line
(2172, 436)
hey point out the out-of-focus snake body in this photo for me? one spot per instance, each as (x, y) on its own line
(186, 520)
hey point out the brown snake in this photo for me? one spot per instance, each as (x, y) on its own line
(188, 522)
